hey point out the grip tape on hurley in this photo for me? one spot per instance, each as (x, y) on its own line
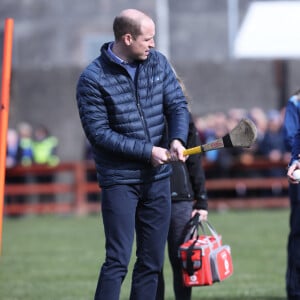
(192, 151)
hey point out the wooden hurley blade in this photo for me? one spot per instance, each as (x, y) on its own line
(243, 135)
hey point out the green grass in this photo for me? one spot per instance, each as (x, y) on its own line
(58, 257)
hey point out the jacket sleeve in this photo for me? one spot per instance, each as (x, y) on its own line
(195, 168)
(291, 123)
(296, 147)
(175, 104)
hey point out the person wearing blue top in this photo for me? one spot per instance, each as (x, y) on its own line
(135, 116)
(292, 142)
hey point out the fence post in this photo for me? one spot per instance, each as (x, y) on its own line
(80, 192)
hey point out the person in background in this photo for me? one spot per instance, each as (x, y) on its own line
(226, 158)
(12, 160)
(24, 157)
(292, 141)
(44, 148)
(188, 198)
(13, 149)
(25, 143)
(260, 119)
(272, 146)
(19, 153)
(135, 116)
(217, 128)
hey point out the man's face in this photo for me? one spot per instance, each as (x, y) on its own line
(141, 45)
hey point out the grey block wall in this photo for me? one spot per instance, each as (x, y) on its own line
(54, 40)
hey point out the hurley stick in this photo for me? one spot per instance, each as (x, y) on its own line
(243, 134)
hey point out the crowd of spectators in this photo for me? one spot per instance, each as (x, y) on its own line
(27, 146)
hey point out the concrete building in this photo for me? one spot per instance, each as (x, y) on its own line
(54, 40)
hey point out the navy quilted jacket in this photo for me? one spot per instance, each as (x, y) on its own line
(123, 119)
(291, 127)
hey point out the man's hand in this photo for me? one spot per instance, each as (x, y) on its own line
(176, 151)
(203, 214)
(160, 156)
(291, 169)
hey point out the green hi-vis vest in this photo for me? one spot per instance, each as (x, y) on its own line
(43, 151)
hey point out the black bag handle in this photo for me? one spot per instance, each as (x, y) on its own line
(189, 232)
(191, 228)
(189, 263)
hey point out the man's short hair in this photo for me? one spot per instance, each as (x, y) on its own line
(123, 25)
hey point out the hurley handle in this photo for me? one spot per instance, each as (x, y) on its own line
(191, 151)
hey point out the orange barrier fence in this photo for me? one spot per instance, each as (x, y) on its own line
(68, 192)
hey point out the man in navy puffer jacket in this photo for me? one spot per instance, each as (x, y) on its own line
(135, 116)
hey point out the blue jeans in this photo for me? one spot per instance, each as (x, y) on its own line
(144, 209)
(293, 248)
(181, 214)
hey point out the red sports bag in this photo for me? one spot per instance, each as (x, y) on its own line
(204, 259)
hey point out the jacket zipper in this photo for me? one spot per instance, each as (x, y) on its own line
(134, 84)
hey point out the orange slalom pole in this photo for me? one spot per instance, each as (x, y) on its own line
(4, 111)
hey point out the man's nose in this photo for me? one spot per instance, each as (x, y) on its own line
(152, 44)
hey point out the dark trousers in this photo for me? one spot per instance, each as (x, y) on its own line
(293, 248)
(144, 209)
(181, 212)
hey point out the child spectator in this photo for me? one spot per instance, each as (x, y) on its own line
(44, 153)
(12, 153)
(25, 143)
(44, 147)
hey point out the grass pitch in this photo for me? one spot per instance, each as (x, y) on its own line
(58, 257)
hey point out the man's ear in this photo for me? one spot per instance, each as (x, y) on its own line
(127, 38)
